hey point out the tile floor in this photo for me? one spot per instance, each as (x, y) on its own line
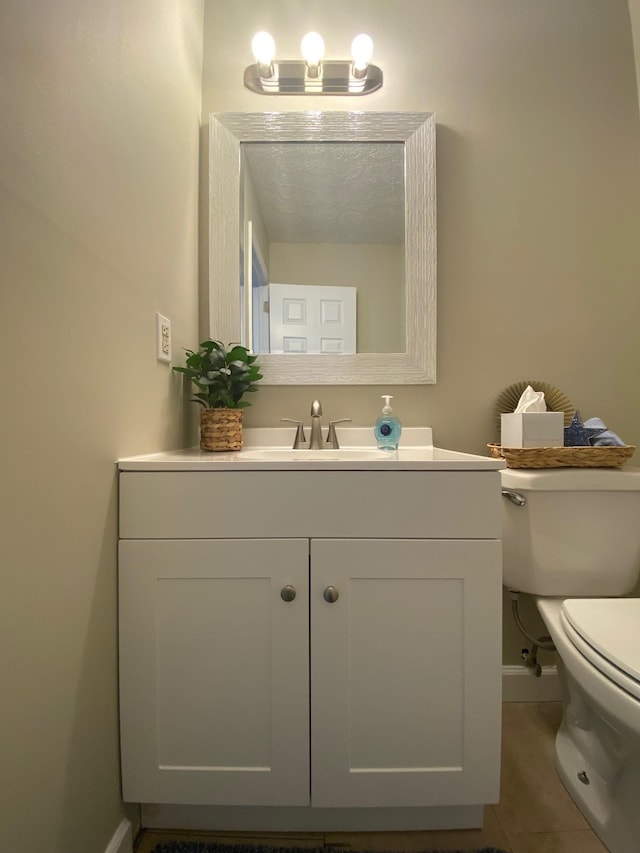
(535, 814)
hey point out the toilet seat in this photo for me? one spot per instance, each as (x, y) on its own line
(607, 633)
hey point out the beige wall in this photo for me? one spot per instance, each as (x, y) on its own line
(538, 159)
(100, 106)
(634, 10)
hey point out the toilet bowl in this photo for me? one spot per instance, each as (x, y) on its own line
(571, 538)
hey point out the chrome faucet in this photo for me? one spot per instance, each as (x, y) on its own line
(315, 442)
(332, 437)
(300, 441)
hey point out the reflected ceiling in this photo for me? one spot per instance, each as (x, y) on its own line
(330, 193)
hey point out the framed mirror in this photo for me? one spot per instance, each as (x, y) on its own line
(267, 156)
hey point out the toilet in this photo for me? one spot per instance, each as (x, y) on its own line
(571, 539)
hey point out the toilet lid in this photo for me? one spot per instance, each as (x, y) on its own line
(608, 634)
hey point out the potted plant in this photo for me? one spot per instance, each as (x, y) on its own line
(222, 376)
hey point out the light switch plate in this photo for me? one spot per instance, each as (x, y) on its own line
(163, 338)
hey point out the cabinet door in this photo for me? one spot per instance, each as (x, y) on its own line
(214, 671)
(406, 668)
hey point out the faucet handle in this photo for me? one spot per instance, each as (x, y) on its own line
(332, 437)
(300, 436)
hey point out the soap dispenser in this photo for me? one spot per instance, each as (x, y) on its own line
(387, 428)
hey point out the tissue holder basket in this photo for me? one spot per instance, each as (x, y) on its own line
(562, 457)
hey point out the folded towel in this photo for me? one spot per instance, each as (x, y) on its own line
(607, 438)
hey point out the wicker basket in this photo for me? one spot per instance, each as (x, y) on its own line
(562, 457)
(221, 429)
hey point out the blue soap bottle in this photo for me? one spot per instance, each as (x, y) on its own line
(387, 428)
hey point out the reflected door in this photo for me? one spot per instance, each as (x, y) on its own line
(312, 319)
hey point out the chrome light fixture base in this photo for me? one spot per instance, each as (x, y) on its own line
(334, 77)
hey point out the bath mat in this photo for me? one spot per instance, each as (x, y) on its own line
(204, 847)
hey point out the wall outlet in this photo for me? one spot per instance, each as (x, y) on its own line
(163, 338)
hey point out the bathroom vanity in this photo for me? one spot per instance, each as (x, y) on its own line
(310, 642)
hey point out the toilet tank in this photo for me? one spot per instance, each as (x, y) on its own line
(578, 534)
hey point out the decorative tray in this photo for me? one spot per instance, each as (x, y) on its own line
(562, 457)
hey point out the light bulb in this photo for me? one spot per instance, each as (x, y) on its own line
(312, 47)
(361, 51)
(264, 49)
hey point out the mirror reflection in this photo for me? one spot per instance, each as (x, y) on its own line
(323, 247)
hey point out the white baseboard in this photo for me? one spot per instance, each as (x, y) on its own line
(122, 840)
(520, 685)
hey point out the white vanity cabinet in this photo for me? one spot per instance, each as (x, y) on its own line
(315, 640)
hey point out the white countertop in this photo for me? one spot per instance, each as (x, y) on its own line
(416, 453)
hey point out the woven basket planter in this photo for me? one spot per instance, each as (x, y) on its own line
(562, 457)
(221, 429)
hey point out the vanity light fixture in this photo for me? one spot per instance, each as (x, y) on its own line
(312, 75)
(312, 49)
(361, 53)
(263, 48)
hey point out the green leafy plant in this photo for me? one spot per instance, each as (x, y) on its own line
(223, 376)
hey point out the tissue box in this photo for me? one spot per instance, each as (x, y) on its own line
(532, 429)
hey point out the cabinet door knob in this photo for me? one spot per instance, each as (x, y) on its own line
(288, 592)
(330, 594)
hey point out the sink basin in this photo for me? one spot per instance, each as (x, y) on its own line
(346, 454)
